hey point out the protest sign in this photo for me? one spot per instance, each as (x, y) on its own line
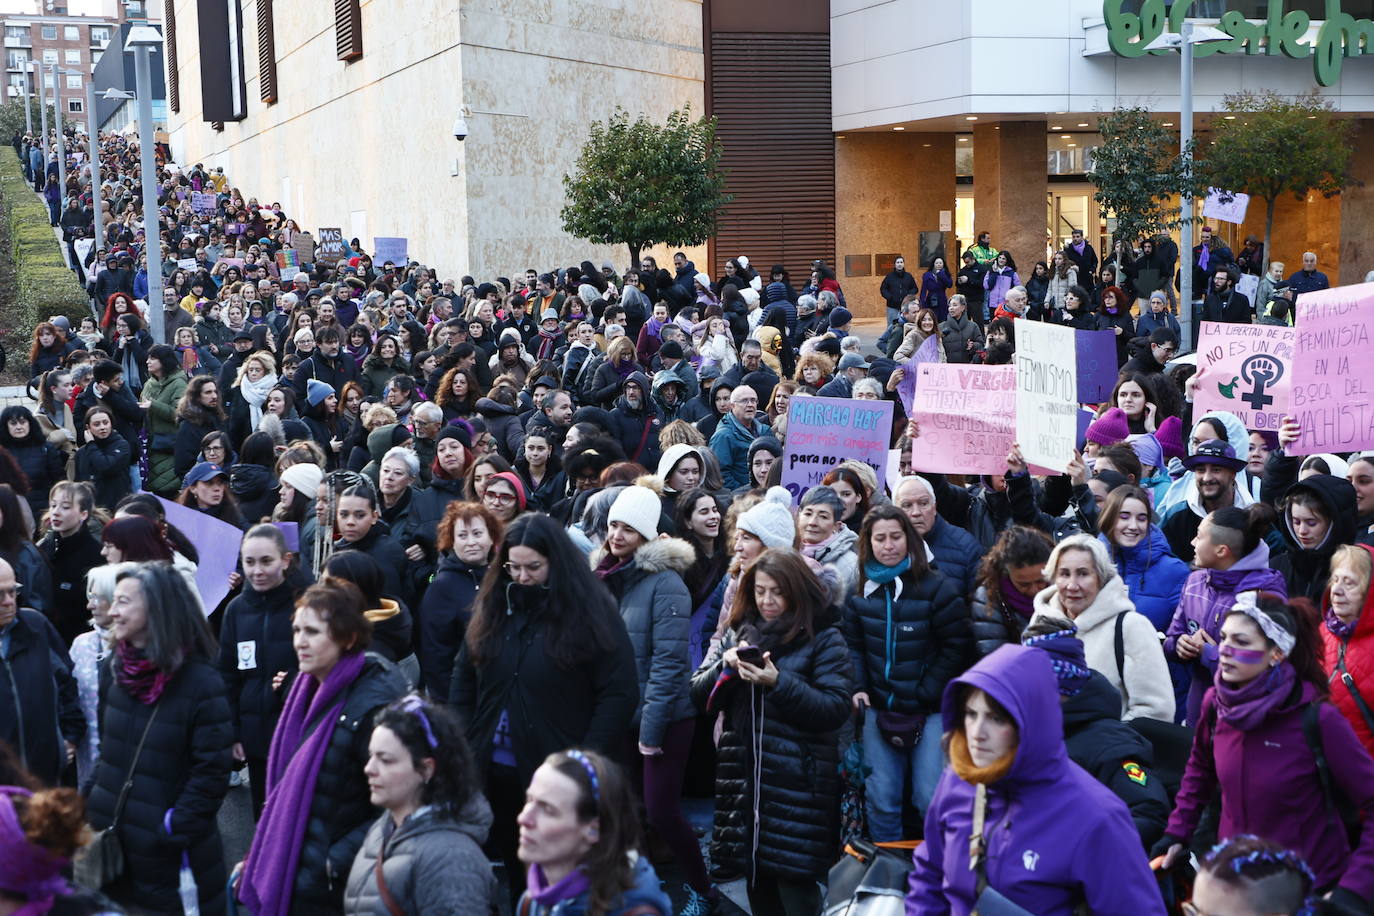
(927, 352)
(894, 469)
(203, 204)
(1245, 369)
(822, 432)
(390, 249)
(332, 248)
(291, 533)
(1096, 355)
(186, 263)
(1227, 206)
(967, 418)
(217, 543)
(1248, 286)
(1333, 396)
(287, 260)
(304, 243)
(83, 248)
(1046, 393)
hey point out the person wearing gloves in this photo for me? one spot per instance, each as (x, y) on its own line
(1276, 754)
(1119, 642)
(1007, 781)
(643, 572)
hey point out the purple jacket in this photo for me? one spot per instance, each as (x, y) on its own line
(1050, 825)
(1208, 595)
(997, 282)
(1269, 787)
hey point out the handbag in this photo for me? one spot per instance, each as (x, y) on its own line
(902, 730)
(990, 901)
(101, 863)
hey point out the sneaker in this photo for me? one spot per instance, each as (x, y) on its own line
(697, 904)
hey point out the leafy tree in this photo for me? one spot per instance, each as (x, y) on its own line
(1138, 171)
(1278, 145)
(639, 183)
(12, 118)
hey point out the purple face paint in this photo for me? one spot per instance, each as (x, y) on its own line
(1243, 656)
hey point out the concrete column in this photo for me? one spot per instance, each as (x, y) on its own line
(1009, 187)
(1357, 212)
(889, 188)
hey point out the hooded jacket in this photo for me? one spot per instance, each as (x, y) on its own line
(1206, 598)
(1038, 858)
(255, 489)
(657, 610)
(1153, 575)
(636, 428)
(1148, 690)
(432, 863)
(1305, 570)
(730, 443)
(1356, 653)
(445, 611)
(503, 422)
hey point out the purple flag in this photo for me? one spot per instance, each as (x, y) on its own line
(217, 543)
(927, 352)
(1097, 368)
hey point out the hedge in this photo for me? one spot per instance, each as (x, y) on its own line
(44, 285)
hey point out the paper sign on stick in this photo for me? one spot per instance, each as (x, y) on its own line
(1046, 393)
(1333, 393)
(1245, 369)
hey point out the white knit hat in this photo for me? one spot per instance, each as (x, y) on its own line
(303, 478)
(675, 453)
(638, 507)
(771, 521)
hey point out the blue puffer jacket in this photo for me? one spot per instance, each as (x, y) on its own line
(957, 555)
(1153, 576)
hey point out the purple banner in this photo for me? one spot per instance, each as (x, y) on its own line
(927, 352)
(217, 543)
(1097, 370)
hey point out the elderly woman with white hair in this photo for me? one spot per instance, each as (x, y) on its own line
(868, 389)
(1120, 643)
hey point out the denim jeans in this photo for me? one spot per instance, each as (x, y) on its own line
(884, 786)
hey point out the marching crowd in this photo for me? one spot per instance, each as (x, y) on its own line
(515, 576)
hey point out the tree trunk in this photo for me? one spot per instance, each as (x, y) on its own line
(634, 254)
(1268, 236)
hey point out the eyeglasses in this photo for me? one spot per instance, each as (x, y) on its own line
(497, 497)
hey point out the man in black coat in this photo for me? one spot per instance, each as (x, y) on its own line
(1223, 303)
(327, 364)
(1082, 255)
(969, 284)
(897, 285)
(634, 423)
(42, 722)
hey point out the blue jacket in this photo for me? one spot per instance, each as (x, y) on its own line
(957, 555)
(645, 893)
(730, 443)
(1153, 575)
(1148, 321)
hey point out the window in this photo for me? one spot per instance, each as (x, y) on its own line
(73, 80)
(16, 60)
(75, 106)
(169, 50)
(71, 58)
(16, 81)
(100, 35)
(17, 36)
(49, 33)
(49, 56)
(267, 53)
(71, 33)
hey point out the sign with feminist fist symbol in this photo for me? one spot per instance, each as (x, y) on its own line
(1260, 371)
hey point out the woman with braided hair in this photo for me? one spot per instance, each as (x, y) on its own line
(1248, 876)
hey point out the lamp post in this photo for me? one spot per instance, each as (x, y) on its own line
(141, 41)
(93, 140)
(28, 94)
(42, 112)
(61, 140)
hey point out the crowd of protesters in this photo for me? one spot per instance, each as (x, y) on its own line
(514, 578)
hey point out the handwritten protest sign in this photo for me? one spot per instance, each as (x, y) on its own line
(1096, 356)
(967, 418)
(217, 543)
(203, 204)
(927, 352)
(390, 249)
(1227, 206)
(1245, 369)
(822, 432)
(1333, 395)
(287, 260)
(187, 263)
(304, 244)
(1046, 393)
(332, 248)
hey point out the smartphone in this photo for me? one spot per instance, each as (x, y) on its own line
(750, 655)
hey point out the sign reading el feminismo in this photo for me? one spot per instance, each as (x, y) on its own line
(1341, 35)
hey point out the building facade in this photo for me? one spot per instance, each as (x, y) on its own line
(73, 43)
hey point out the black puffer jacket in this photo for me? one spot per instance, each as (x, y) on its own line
(104, 464)
(43, 464)
(184, 765)
(427, 508)
(637, 428)
(994, 624)
(254, 644)
(390, 556)
(70, 558)
(340, 812)
(444, 615)
(1116, 755)
(795, 803)
(194, 423)
(38, 705)
(256, 490)
(904, 663)
(1306, 570)
(505, 426)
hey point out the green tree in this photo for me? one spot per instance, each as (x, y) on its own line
(639, 183)
(1138, 171)
(1277, 145)
(12, 118)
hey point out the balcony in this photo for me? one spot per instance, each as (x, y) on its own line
(14, 41)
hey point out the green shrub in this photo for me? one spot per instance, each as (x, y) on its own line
(44, 285)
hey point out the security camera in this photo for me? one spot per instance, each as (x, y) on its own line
(460, 129)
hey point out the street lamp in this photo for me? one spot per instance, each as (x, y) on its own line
(1184, 40)
(61, 140)
(142, 40)
(36, 69)
(28, 111)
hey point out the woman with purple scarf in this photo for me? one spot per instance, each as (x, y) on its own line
(1011, 575)
(318, 808)
(166, 726)
(1255, 749)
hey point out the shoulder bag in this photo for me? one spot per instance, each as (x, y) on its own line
(101, 863)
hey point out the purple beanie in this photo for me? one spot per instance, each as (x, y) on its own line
(1110, 428)
(1170, 437)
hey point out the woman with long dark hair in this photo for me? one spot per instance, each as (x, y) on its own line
(699, 522)
(1011, 575)
(43, 463)
(206, 489)
(537, 673)
(55, 418)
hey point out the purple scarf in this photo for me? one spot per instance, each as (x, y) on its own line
(574, 884)
(1248, 705)
(293, 765)
(1338, 627)
(1014, 600)
(139, 677)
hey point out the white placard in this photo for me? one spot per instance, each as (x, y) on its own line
(1248, 286)
(1046, 393)
(946, 221)
(1228, 206)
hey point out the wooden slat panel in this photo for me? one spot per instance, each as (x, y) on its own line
(267, 53)
(770, 94)
(169, 38)
(348, 29)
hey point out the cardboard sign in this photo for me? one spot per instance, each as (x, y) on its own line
(203, 204)
(1095, 352)
(1245, 369)
(822, 432)
(967, 418)
(286, 260)
(332, 248)
(390, 249)
(1333, 394)
(217, 543)
(927, 352)
(304, 244)
(1228, 206)
(1046, 393)
(187, 263)
(1248, 286)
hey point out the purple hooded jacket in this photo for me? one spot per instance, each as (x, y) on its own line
(1050, 825)
(1269, 787)
(1208, 595)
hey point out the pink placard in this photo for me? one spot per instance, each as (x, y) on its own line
(1245, 369)
(1333, 394)
(967, 418)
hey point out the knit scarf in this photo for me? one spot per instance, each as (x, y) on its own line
(653, 327)
(548, 342)
(1014, 600)
(962, 762)
(293, 766)
(255, 393)
(573, 884)
(610, 565)
(139, 677)
(882, 576)
(1248, 705)
(1338, 627)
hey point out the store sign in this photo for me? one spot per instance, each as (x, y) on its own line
(1340, 35)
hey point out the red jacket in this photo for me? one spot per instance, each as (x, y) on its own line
(1359, 661)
